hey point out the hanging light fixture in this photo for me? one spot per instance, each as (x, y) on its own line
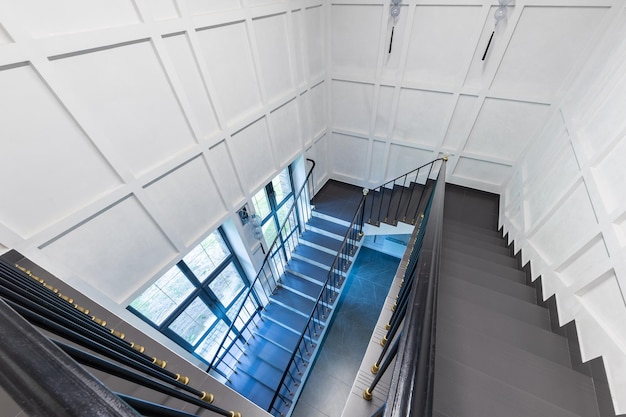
(499, 15)
(394, 11)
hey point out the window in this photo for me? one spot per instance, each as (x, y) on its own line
(195, 302)
(272, 203)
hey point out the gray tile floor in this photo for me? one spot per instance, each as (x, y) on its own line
(331, 378)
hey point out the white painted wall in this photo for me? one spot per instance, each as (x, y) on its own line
(130, 129)
(565, 207)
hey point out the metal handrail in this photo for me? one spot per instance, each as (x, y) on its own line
(260, 274)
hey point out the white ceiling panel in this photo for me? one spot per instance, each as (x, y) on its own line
(187, 201)
(546, 45)
(422, 116)
(403, 159)
(383, 111)
(461, 123)
(286, 138)
(356, 36)
(226, 53)
(352, 106)
(115, 251)
(356, 147)
(252, 152)
(504, 128)
(127, 89)
(50, 18)
(46, 157)
(482, 171)
(437, 54)
(189, 75)
(273, 49)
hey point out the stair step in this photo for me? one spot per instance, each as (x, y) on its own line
(285, 317)
(259, 394)
(419, 201)
(481, 253)
(307, 270)
(263, 372)
(495, 301)
(538, 376)
(278, 335)
(315, 256)
(304, 287)
(461, 391)
(498, 247)
(293, 301)
(525, 336)
(325, 243)
(338, 230)
(505, 272)
(492, 282)
(269, 352)
(477, 232)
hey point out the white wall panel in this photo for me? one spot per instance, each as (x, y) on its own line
(42, 18)
(252, 152)
(46, 158)
(187, 71)
(377, 163)
(352, 106)
(315, 46)
(562, 232)
(220, 162)
(542, 54)
(585, 264)
(187, 201)
(422, 116)
(137, 111)
(116, 250)
(354, 146)
(610, 177)
(286, 139)
(163, 9)
(504, 128)
(392, 61)
(203, 6)
(482, 171)
(273, 48)
(316, 98)
(461, 123)
(4, 36)
(402, 159)
(227, 55)
(436, 53)
(356, 33)
(383, 111)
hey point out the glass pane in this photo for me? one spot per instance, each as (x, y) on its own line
(269, 231)
(162, 297)
(282, 186)
(194, 321)
(282, 216)
(261, 204)
(208, 347)
(227, 285)
(205, 257)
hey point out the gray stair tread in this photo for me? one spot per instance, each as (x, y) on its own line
(514, 332)
(285, 316)
(318, 239)
(468, 227)
(498, 247)
(312, 254)
(293, 300)
(481, 253)
(453, 255)
(536, 375)
(495, 301)
(474, 234)
(278, 335)
(461, 391)
(259, 394)
(328, 226)
(302, 286)
(262, 371)
(269, 352)
(493, 282)
(302, 268)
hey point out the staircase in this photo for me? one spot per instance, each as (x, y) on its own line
(496, 354)
(281, 339)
